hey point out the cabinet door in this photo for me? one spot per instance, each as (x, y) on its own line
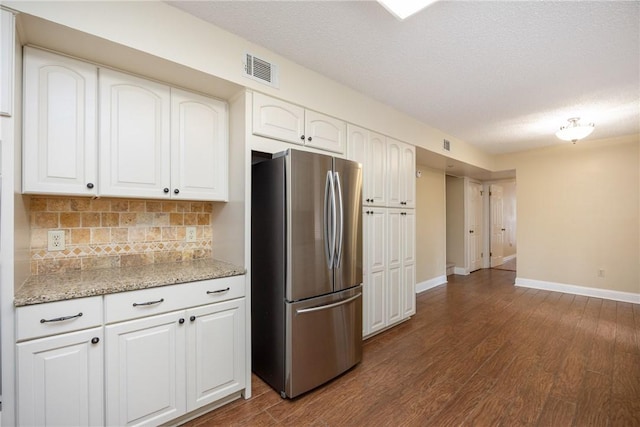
(409, 290)
(7, 48)
(215, 352)
(59, 148)
(277, 119)
(60, 380)
(375, 289)
(394, 173)
(324, 132)
(134, 136)
(408, 177)
(357, 138)
(394, 263)
(408, 236)
(199, 147)
(145, 377)
(377, 166)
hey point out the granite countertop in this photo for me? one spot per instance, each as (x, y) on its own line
(78, 284)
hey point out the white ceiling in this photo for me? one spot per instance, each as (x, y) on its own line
(503, 76)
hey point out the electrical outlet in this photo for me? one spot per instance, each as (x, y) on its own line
(55, 240)
(190, 234)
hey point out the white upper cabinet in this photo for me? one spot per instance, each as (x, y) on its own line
(273, 118)
(408, 176)
(324, 132)
(199, 149)
(134, 136)
(153, 141)
(277, 119)
(369, 148)
(59, 148)
(7, 50)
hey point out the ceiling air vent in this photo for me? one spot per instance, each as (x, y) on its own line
(258, 69)
(446, 145)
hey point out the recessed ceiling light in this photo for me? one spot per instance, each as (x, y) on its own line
(403, 9)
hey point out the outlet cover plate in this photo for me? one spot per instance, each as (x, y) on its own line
(190, 234)
(55, 240)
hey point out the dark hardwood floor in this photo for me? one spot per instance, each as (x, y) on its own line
(481, 352)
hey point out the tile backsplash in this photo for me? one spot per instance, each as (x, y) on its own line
(104, 232)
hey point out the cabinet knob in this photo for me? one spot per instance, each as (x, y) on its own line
(176, 191)
(90, 185)
(181, 320)
(192, 318)
(166, 190)
(95, 340)
(309, 139)
(471, 231)
(302, 137)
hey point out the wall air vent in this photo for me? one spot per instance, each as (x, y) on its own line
(260, 70)
(446, 145)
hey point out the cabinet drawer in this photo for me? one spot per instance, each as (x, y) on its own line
(146, 302)
(51, 318)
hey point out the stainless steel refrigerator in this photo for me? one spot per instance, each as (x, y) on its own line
(306, 269)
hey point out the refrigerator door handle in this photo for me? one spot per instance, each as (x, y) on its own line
(328, 306)
(329, 220)
(339, 221)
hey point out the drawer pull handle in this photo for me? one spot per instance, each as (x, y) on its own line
(136, 304)
(61, 319)
(219, 291)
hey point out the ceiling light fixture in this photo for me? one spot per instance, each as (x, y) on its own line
(403, 9)
(574, 131)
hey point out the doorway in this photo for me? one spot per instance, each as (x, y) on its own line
(502, 225)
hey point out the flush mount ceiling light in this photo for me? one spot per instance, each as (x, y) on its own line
(403, 9)
(574, 131)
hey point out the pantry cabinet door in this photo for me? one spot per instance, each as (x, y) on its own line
(134, 136)
(60, 131)
(199, 147)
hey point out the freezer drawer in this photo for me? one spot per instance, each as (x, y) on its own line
(324, 339)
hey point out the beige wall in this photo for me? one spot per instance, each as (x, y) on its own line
(578, 212)
(430, 224)
(455, 221)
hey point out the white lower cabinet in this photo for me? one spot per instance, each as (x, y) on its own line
(215, 352)
(160, 354)
(60, 380)
(145, 359)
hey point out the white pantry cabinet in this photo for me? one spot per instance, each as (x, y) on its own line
(60, 130)
(374, 271)
(135, 146)
(401, 169)
(369, 149)
(273, 118)
(408, 241)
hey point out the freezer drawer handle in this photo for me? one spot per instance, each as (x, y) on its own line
(219, 291)
(61, 319)
(326, 307)
(136, 304)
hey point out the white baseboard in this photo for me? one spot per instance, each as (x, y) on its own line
(509, 258)
(431, 283)
(461, 271)
(579, 290)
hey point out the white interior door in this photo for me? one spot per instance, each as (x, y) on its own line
(497, 225)
(474, 226)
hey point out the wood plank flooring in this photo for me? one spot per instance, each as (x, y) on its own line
(478, 352)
